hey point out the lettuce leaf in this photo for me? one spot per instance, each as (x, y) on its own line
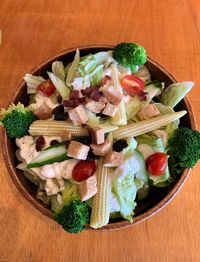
(174, 93)
(170, 128)
(61, 87)
(71, 69)
(69, 194)
(129, 178)
(125, 189)
(156, 145)
(32, 83)
(58, 70)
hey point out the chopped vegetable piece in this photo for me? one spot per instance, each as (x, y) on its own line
(120, 117)
(73, 68)
(174, 93)
(32, 83)
(58, 70)
(61, 87)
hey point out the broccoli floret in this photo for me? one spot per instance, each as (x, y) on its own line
(16, 119)
(74, 216)
(184, 149)
(130, 55)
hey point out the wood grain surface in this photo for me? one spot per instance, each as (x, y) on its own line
(31, 32)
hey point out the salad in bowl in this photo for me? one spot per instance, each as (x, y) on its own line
(99, 135)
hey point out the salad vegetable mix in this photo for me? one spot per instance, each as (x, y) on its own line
(99, 134)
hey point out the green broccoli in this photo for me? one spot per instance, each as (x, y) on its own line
(74, 217)
(130, 55)
(16, 119)
(184, 149)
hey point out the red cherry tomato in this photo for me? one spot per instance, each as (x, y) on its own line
(83, 170)
(46, 88)
(132, 84)
(156, 164)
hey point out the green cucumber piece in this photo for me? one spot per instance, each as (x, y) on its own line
(52, 154)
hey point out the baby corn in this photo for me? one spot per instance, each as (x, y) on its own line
(101, 204)
(55, 128)
(148, 125)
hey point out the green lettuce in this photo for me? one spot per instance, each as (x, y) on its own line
(156, 145)
(170, 128)
(72, 68)
(69, 194)
(174, 93)
(125, 189)
(58, 70)
(33, 82)
(130, 177)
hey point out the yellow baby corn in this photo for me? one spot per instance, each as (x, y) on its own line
(54, 128)
(148, 125)
(101, 204)
(120, 117)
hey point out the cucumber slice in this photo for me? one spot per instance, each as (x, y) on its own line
(56, 153)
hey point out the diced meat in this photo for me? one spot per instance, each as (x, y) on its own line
(88, 188)
(110, 110)
(101, 150)
(43, 112)
(78, 150)
(78, 115)
(113, 159)
(150, 111)
(94, 106)
(114, 96)
(66, 135)
(98, 135)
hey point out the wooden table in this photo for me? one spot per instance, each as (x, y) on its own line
(32, 31)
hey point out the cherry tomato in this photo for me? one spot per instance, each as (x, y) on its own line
(46, 88)
(83, 170)
(156, 164)
(132, 84)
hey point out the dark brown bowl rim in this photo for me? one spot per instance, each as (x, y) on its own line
(111, 226)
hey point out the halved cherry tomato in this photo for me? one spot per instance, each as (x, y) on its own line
(132, 84)
(83, 170)
(156, 164)
(46, 88)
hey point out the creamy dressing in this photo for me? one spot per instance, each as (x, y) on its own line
(27, 148)
(59, 170)
(41, 100)
(81, 82)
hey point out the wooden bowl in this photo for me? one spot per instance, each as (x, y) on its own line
(145, 208)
